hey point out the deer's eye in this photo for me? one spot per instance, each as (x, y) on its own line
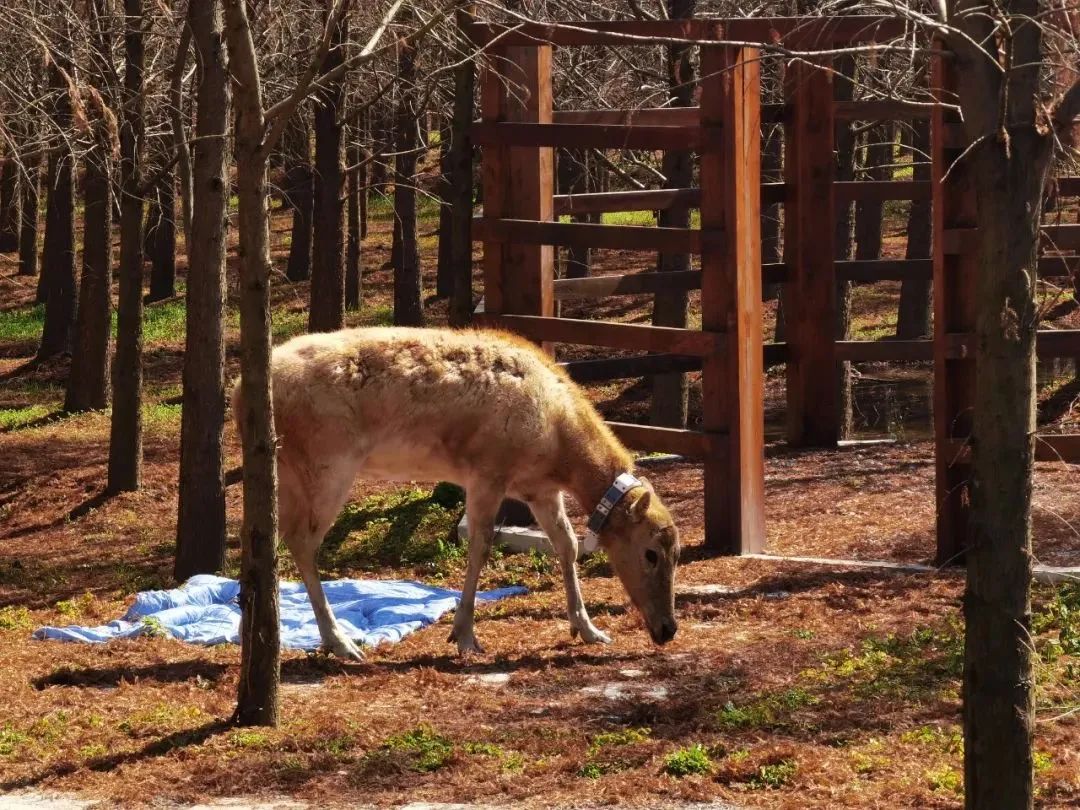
(651, 557)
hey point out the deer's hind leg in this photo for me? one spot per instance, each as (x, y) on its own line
(309, 502)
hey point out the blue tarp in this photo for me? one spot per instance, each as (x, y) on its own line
(204, 610)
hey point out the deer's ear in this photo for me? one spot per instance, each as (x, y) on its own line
(645, 482)
(640, 507)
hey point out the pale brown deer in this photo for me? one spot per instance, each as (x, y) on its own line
(483, 409)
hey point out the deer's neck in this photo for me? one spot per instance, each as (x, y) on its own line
(595, 466)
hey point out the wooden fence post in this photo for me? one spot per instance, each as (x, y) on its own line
(956, 264)
(813, 416)
(732, 382)
(518, 184)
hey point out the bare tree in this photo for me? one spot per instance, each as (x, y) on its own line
(125, 437)
(88, 383)
(200, 529)
(328, 261)
(408, 304)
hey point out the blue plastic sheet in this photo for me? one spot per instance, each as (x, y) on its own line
(205, 610)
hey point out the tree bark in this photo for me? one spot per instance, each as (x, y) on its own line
(845, 170)
(357, 190)
(913, 317)
(573, 178)
(444, 274)
(327, 258)
(56, 284)
(998, 681)
(299, 194)
(29, 191)
(868, 213)
(88, 384)
(260, 669)
(670, 391)
(408, 304)
(200, 525)
(460, 165)
(9, 207)
(125, 438)
(162, 241)
(179, 130)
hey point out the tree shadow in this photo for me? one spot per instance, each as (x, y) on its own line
(110, 677)
(154, 749)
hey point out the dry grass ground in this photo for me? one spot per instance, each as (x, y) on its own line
(786, 687)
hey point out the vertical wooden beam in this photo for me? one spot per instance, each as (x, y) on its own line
(955, 276)
(732, 381)
(519, 182)
(810, 293)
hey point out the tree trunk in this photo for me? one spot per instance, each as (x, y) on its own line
(356, 192)
(56, 285)
(868, 213)
(179, 131)
(573, 178)
(9, 206)
(299, 194)
(461, 185)
(200, 525)
(88, 384)
(669, 394)
(125, 438)
(998, 682)
(162, 244)
(913, 318)
(327, 256)
(29, 191)
(260, 667)
(408, 304)
(444, 274)
(845, 170)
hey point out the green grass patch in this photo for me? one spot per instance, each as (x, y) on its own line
(76, 607)
(11, 740)
(410, 526)
(770, 710)
(160, 719)
(690, 761)
(15, 617)
(915, 667)
(23, 324)
(16, 418)
(286, 324)
(508, 760)
(607, 751)
(946, 741)
(774, 776)
(165, 322)
(1057, 622)
(422, 747)
(944, 779)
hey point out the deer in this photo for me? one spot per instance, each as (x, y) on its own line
(481, 408)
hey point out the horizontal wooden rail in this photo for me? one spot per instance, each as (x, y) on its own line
(629, 336)
(569, 289)
(1067, 186)
(1058, 266)
(1048, 447)
(880, 110)
(689, 443)
(818, 31)
(647, 116)
(646, 200)
(885, 270)
(881, 190)
(621, 368)
(878, 351)
(592, 136)
(862, 270)
(1061, 237)
(1049, 343)
(585, 234)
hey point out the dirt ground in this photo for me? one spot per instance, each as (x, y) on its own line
(788, 686)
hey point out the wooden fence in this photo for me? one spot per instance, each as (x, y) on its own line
(520, 227)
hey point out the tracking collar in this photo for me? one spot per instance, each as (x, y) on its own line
(623, 484)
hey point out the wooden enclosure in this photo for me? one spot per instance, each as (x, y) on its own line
(520, 227)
